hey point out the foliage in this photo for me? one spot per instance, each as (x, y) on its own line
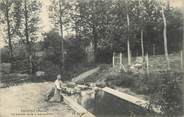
(4, 55)
(163, 88)
(51, 47)
(51, 70)
(10, 22)
(74, 53)
(103, 22)
(104, 55)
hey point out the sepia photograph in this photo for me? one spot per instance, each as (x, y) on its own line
(91, 58)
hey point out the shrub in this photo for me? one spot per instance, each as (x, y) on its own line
(104, 55)
(163, 88)
(5, 57)
(168, 93)
(74, 54)
(51, 70)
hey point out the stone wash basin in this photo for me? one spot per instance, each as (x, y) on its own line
(101, 102)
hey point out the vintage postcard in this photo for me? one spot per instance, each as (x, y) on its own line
(91, 58)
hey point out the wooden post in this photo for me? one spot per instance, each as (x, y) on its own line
(113, 59)
(120, 55)
(181, 55)
(129, 52)
(147, 63)
(154, 49)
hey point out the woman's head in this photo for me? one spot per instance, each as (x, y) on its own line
(59, 77)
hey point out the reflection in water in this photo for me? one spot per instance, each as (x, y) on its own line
(102, 104)
(87, 100)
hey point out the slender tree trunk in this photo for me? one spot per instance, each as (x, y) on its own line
(62, 58)
(94, 31)
(183, 42)
(128, 41)
(142, 31)
(28, 44)
(142, 43)
(165, 38)
(77, 32)
(129, 52)
(95, 44)
(8, 32)
(147, 63)
(181, 57)
(182, 85)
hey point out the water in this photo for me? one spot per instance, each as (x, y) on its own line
(102, 104)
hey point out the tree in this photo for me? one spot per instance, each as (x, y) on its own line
(30, 14)
(141, 21)
(165, 37)
(93, 20)
(128, 31)
(51, 44)
(116, 25)
(59, 13)
(10, 16)
(183, 42)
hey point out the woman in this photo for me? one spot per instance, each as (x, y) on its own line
(54, 94)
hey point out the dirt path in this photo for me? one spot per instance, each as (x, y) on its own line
(27, 100)
(85, 75)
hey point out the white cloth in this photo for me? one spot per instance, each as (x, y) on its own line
(58, 84)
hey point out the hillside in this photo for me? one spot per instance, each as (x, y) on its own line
(156, 63)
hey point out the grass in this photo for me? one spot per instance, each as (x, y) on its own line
(161, 86)
(157, 63)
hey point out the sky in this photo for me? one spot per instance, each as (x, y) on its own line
(46, 25)
(45, 19)
(45, 16)
(178, 3)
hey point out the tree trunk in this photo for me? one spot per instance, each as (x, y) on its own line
(165, 39)
(8, 32)
(62, 58)
(28, 44)
(129, 52)
(95, 44)
(128, 41)
(183, 42)
(147, 63)
(142, 43)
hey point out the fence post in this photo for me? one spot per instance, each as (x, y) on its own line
(154, 52)
(147, 63)
(113, 60)
(121, 60)
(181, 55)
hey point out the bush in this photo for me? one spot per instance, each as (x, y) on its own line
(163, 88)
(51, 70)
(104, 55)
(168, 93)
(5, 57)
(74, 54)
